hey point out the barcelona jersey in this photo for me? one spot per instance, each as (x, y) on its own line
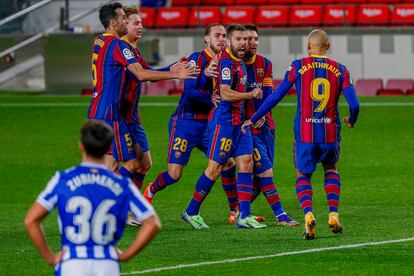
(232, 72)
(319, 82)
(195, 102)
(110, 57)
(259, 75)
(132, 91)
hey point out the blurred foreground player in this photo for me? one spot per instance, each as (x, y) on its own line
(319, 82)
(92, 204)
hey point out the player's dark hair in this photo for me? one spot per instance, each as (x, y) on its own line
(209, 27)
(108, 12)
(234, 27)
(96, 137)
(251, 27)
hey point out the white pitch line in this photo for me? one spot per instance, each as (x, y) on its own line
(159, 269)
(168, 104)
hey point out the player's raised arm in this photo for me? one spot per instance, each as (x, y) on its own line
(152, 75)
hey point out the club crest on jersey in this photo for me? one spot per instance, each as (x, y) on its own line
(177, 154)
(260, 72)
(127, 54)
(222, 154)
(225, 74)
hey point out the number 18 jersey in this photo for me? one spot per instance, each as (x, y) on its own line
(93, 205)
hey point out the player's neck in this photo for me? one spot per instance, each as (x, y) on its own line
(112, 32)
(90, 159)
(317, 52)
(249, 59)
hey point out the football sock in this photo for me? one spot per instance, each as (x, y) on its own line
(332, 187)
(203, 187)
(229, 183)
(271, 194)
(244, 189)
(304, 193)
(162, 181)
(124, 172)
(256, 188)
(138, 179)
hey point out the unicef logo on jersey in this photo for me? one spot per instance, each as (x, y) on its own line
(127, 54)
(323, 120)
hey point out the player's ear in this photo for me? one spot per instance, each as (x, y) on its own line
(81, 147)
(328, 46)
(206, 39)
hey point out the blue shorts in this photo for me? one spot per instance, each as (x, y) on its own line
(228, 141)
(122, 148)
(263, 151)
(185, 135)
(139, 136)
(307, 155)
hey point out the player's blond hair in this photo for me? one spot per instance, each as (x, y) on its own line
(318, 38)
(130, 10)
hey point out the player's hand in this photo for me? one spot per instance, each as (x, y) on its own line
(260, 123)
(56, 259)
(348, 124)
(180, 64)
(257, 93)
(188, 73)
(211, 69)
(215, 99)
(245, 125)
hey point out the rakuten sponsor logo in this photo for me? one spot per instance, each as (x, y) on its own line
(170, 15)
(322, 120)
(338, 13)
(205, 15)
(304, 13)
(271, 14)
(405, 12)
(237, 14)
(372, 12)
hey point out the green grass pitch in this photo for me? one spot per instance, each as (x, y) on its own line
(39, 135)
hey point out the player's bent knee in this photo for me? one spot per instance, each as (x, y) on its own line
(245, 163)
(214, 170)
(131, 165)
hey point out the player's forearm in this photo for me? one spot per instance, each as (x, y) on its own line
(150, 75)
(351, 98)
(272, 100)
(147, 232)
(231, 95)
(37, 235)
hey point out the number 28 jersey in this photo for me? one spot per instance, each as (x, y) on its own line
(319, 81)
(93, 205)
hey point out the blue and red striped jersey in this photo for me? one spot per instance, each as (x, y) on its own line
(110, 57)
(195, 102)
(319, 82)
(259, 75)
(132, 92)
(232, 72)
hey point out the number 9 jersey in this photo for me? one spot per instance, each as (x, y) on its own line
(93, 205)
(319, 82)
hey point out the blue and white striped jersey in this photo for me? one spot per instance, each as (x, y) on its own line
(93, 205)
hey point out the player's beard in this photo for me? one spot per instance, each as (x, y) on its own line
(216, 49)
(237, 52)
(122, 30)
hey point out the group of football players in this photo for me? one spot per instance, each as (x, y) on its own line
(224, 111)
